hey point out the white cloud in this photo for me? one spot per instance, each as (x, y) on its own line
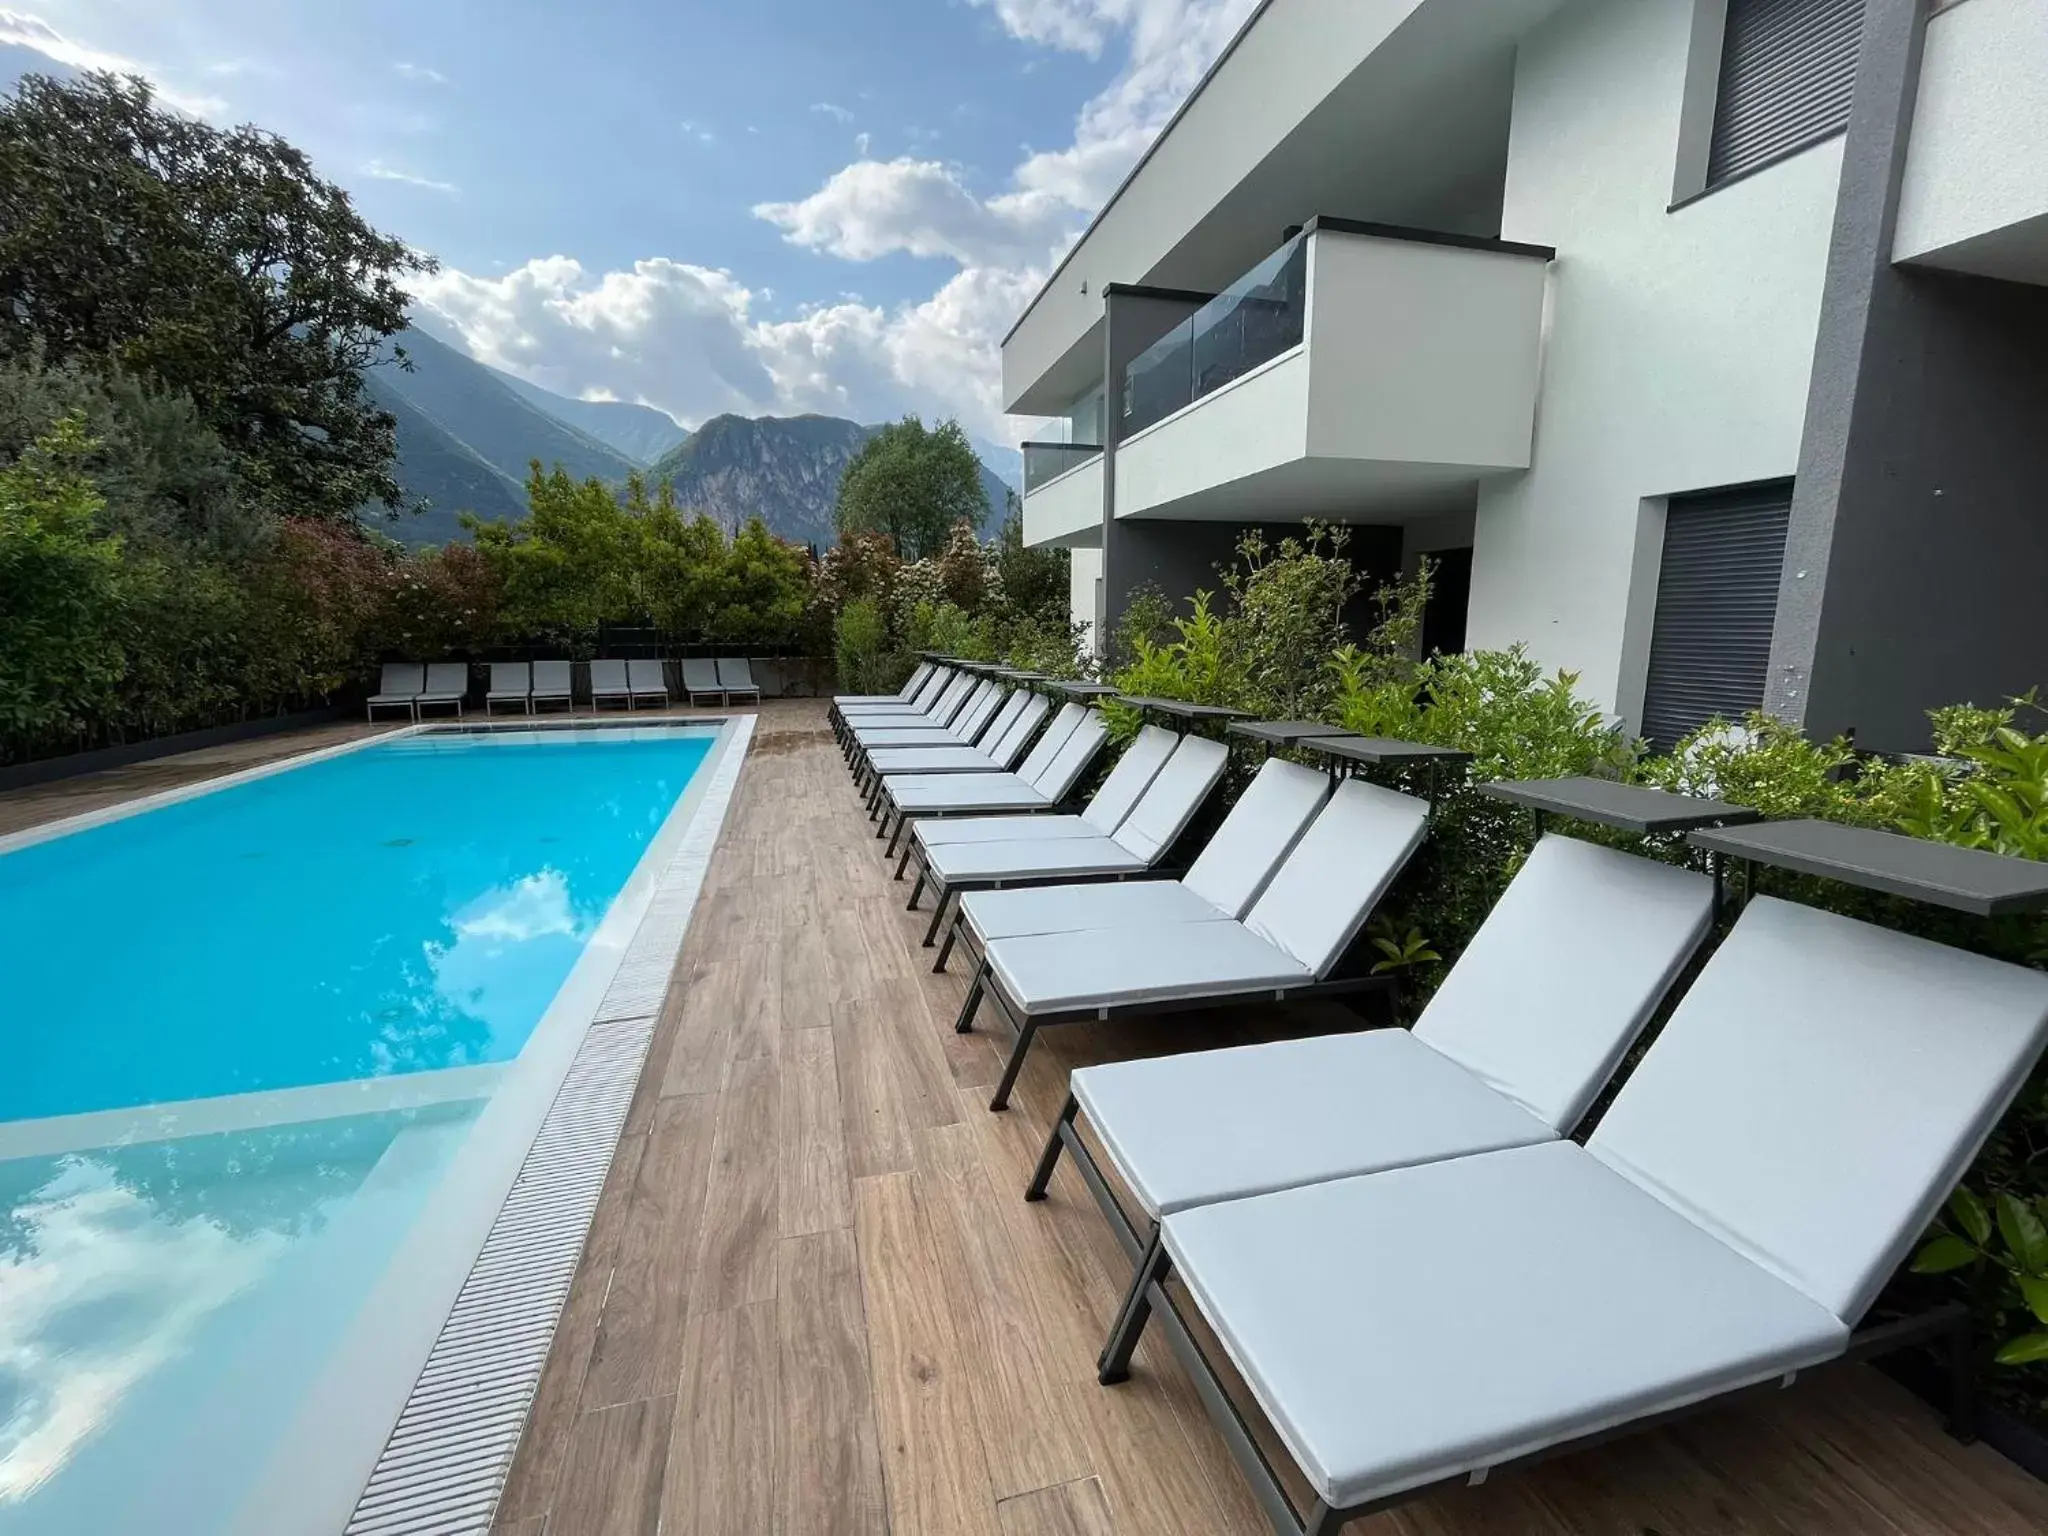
(833, 110)
(1080, 26)
(874, 208)
(32, 32)
(377, 170)
(420, 72)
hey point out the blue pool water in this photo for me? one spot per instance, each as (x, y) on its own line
(397, 909)
(176, 1271)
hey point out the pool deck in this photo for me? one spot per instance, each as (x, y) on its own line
(814, 1301)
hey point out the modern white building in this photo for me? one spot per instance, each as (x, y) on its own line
(1703, 342)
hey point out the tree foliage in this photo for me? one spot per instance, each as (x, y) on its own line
(912, 484)
(214, 264)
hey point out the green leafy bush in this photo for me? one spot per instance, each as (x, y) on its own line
(866, 660)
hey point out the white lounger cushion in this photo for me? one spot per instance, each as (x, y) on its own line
(1821, 1089)
(1127, 782)
(956, 792)
(1047, 747)
(1079, 908)
(1260, 831)
(1036, 858)
(1171, 800)
(1432, 1320)
(1564, 973)
(1318, 900)
(1056, 972)
(937, 759)
(1220, 1125)
(1001, 829)
(552, 679)
(902, 695)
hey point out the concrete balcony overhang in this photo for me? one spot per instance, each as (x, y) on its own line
(1414, 379)
(1975, 193)
(1067, 509)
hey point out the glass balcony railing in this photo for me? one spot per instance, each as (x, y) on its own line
(1048, 461)
(1251, 322)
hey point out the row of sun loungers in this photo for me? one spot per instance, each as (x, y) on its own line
(414, 687)
(1417, 1256)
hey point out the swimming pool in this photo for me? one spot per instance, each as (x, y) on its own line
(273, 1054)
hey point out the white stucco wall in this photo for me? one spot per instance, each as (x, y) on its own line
(1678, 345)
(1977, 167)
(1071, 506)
(1084, 571)
(1250, 425)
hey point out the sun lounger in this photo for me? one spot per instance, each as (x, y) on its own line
(984, 722)
(1112, 801)
(511, 683)
(1004, 743)
(398, 687)
(940, 711)
(1768, 1165)
(553, 682)
(608, 681)
(902, 695)
(1232, 869)
(447, 683)
(1042, 782)
(736, 677)
(1133, 849)
(923, 695)
(1513, 1046)
(1290, 943)
(700, 680)
(647, 679)
(960, 724)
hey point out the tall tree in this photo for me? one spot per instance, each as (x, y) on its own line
(214, 262)
(912, 483)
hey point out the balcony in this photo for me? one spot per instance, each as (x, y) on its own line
(1062, 493)
(1975, 193)
(1359, 373)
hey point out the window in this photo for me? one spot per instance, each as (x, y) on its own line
(1788, 70)
(1717, 606)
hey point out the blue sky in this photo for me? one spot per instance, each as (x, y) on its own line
(765, 207)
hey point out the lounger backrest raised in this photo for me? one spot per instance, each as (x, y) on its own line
(1009, 743)
(1260, 831)
(403, 679)
(1565, 972)
(448, 679)
(551, 679)
(1130, 778)
(1821, 1089)
(915, 681)
(700, 676)
(607, 677)
(1172, 798)
(979, 715)
(927, 692)
(950, 698)
(1041, 756)
(1074, 757)
(736, 673)
(511, 679)
(1322, 893)
(646, 675)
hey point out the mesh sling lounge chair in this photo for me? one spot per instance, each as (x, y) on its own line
(1114, 799)
(1222, 883)
(736, 677)
(511, 683)
(1769, 1163)
(553, 682)
(646, 678)
(398, 687)
(1132, 851)
(1042, 782)
(1512, 1048)
(700, 680)
(608, 681)
(447, 683)
(1291, 943)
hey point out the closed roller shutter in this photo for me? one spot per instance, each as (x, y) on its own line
(1788, 69)
(1717, 603)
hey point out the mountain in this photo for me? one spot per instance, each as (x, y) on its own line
(434, 464)
(480, 409)
(640, 432)
(786, 468)
(1005, 463)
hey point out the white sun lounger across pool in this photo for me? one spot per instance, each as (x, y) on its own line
(398, 687)
(700, 680)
